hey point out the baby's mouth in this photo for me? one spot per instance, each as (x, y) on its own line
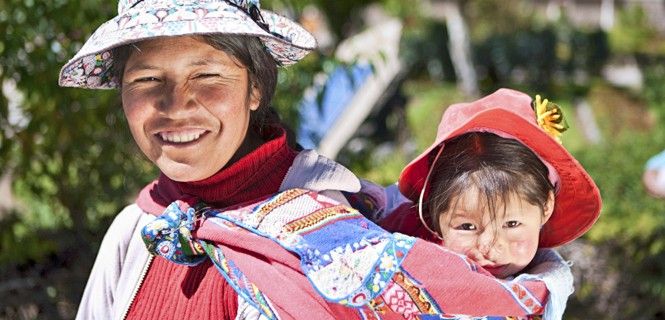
(492, 268)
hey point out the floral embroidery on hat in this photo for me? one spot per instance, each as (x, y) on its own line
(138, 20)
(550, 118)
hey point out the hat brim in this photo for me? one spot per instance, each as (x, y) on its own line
(578, 201)
(287, 41)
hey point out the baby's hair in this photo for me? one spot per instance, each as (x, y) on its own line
(497, 167)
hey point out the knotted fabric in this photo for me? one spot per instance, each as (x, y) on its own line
(170, 235)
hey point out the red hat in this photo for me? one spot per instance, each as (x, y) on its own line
(509, 114)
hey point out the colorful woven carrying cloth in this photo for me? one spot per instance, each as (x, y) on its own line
(301, 254)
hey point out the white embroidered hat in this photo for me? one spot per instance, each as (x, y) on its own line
(138, 20)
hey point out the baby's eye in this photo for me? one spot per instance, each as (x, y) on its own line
(466, 226)
(512, 224)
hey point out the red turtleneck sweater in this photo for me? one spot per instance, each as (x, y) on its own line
(172, 291)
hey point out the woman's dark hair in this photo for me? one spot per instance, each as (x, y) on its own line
(251, 54)
(497, 167)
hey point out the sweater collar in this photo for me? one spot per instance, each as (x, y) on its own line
(257, 174)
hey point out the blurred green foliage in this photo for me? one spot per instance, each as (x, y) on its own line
(72, 161)
(631, 227)
(634, 33)
(70, 153)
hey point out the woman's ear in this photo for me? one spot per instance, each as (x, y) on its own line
(548, 208)
(254, 98)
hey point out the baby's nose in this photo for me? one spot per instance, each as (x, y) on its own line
(485, 240)
(484, 248)
(489, 245)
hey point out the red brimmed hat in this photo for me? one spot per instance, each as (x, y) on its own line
(509, 113)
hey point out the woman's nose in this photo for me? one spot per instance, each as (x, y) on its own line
(177, 98)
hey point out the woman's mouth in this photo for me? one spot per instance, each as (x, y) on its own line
(181, 137)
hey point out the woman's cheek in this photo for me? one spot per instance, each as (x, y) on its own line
(210, 93)
(216, 94)
(137, 104)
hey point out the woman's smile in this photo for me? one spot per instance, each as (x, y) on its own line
(181, 137)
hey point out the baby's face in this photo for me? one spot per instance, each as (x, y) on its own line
(504, 246)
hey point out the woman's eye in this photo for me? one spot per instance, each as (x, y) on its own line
(146, 79)
(206, 75)
(512, 224)
(466, 226)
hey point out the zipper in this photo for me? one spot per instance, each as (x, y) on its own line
(144, 272)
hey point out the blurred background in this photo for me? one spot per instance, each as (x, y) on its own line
(371, 97)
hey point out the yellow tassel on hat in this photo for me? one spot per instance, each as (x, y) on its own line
(550, 118)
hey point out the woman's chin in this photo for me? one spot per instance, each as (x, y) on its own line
(184, 172)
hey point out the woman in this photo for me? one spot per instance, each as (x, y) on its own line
(196, 80)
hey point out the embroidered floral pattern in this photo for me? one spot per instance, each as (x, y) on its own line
(403, 296)
(523, 297)
(352, 270)
(169, 236)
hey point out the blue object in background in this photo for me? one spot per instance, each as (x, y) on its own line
(656, 162)
(325, 103)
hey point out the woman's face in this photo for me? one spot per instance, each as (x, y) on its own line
(504, 246)
(187, 105)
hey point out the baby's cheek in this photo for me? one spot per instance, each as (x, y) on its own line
(457, 245)
(523, 250)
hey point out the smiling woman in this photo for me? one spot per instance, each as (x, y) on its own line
(188, 106)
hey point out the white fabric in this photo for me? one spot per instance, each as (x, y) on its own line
(315, 172)
(118, 267)
(549, 267)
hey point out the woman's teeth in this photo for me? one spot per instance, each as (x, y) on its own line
(181, 137)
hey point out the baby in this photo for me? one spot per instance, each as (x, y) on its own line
(497, 185)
